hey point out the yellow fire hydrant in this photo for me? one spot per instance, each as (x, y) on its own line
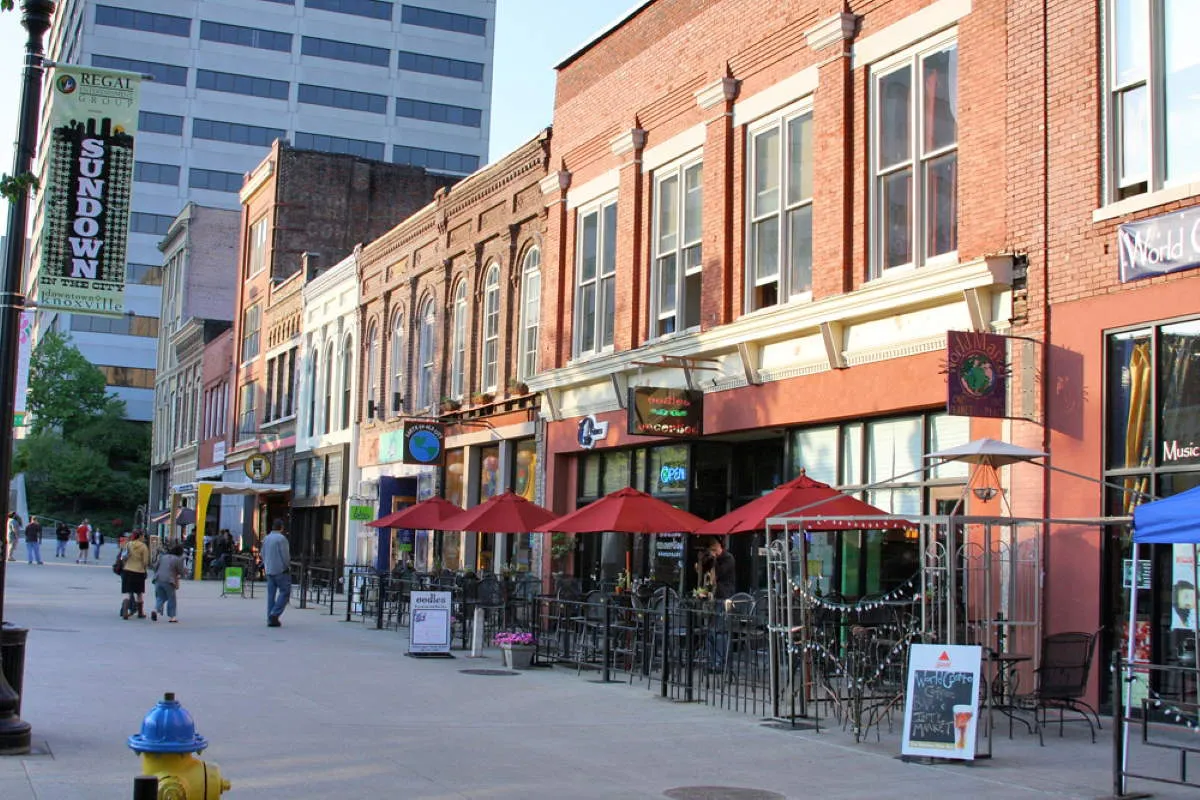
(168, 744)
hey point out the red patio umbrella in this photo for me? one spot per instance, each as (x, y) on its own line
(504, 513)
(626, 511)
(423, 516)
(807, 498)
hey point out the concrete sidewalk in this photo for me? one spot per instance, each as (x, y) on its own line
(321, 708)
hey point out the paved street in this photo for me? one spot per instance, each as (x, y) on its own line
(323, 708)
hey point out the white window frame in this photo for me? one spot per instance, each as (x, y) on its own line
(458, 342)
(372, 376)
(256, 258)
(396, 364)
(251, 314)
(531, 312)
(756, 287)
(1153, 81)
(688, 254)
(602, 284)
(426, 322)
(347, 415)
(489, 362)
(912, 59)
(314, 372)
(328, 407)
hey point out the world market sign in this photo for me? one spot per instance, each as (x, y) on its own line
(1162, 244)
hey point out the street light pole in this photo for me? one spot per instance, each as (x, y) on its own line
(16, 734)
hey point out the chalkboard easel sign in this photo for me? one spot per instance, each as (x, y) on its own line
(941, 711)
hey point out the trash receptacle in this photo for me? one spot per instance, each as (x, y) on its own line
(12, 658)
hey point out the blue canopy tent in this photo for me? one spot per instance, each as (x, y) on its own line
(1172, 520)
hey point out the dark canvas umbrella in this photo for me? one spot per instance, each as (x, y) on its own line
(423, 516)
(806, 498)
(626, 511)
(186, 516)
(504, 513)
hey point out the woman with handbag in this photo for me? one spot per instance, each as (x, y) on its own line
(133, 576)
(167, 574)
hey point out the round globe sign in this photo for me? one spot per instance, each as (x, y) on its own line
(425, 446)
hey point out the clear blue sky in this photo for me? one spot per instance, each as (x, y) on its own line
(531, 37)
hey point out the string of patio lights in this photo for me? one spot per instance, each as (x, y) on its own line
(899, 593)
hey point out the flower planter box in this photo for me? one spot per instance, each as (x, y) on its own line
(517, 656)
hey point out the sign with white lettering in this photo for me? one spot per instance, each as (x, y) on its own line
(941, 708)
(658, 411)
(429, 626)
(89, 176)
(1162, 244)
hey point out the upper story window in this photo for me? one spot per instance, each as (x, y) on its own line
(372, 376)
(327, 387)
(245, 37)
(150, 172)
(236, 132)
(779, 262)
(347, 380)
(339, 144)
(251, 321)
(439, 65)
(233, 83)
(169, 74)
(1154, 107)
(434, 159)
(396, 363)
(256, 259)
(247, 426)
(143, 21)
(443, 20)
(596, 278)
(345, 51)
(341, 98)
(439, 112)
(313, 371)
(214, 179)
(489, 372)
(375, 9)
(425, 351)
(155, 224)
(914, 137)
(458, 342)
(152, 122)
(531, 310)
(675, 283)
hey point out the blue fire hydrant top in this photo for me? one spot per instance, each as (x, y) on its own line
(168, 728)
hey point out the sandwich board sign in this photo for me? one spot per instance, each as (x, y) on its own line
(233, 581)
(941, 709)
(429, 624)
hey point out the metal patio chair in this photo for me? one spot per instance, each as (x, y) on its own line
(1062, 679)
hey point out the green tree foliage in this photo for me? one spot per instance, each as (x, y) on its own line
(82, 456)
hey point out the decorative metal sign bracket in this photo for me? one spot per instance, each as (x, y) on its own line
(685, 363)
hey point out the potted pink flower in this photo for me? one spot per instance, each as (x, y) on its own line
(516, 647)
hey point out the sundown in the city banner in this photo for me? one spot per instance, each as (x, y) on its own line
(89, 176)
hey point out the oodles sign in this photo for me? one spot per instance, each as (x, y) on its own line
(655, 411)
(89, 174)
(1162, 244)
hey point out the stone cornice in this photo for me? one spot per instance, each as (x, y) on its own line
(720, 91)
(557, 181)
(631, 140)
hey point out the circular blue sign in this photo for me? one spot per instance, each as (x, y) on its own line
(425, 446)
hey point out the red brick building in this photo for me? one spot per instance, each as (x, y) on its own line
(798, 202)
(449, 325)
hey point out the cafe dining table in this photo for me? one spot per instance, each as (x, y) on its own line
(1002, 689)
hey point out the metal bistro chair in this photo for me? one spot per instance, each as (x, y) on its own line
(1062, 679)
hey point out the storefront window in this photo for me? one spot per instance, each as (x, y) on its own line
(525, 469)
(489, 472)
(894, 451)
(316, 481)
(1179, 390)
(300, 478)
(616, 471)
(1129, 368)
(589, 478)
(852, 454)
(815, 450)
(454, 477)
(669, 470)
(945, 432)
(333, 472)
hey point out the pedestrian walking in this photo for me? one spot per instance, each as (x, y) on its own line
(14, 535)
(133, 577)
(167, 574)
(62, 535)
(82, 533)
(97, 537)
(33, 540)
(277, 561)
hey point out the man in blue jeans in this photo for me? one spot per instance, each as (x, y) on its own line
(277, 559)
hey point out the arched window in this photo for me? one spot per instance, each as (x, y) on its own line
(396, 357)
(327, 419)
(531, 312)
(425, 335)
(313, 358)
(488, 374)
(458, 346)
(372, 376)
(347, 380)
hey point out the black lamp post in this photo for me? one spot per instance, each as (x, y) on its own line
(16, 734)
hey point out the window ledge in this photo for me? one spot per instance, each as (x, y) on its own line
(1141, 202)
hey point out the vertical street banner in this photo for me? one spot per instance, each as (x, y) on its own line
(24, 353)
(89, 177)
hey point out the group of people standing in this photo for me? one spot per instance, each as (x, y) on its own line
(167, 571)
(31, 532)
